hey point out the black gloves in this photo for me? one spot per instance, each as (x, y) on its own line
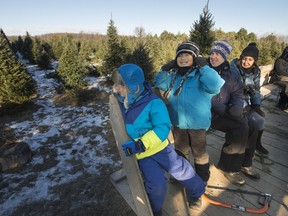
(235, 111)
(169, 66)
(200, 62)
(258, 110)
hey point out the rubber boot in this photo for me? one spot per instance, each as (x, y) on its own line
(259, 146)
(203, 171)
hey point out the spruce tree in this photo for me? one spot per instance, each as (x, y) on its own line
(57, 45)
(201, 32)
(71, 67)
(41, 56)
(141, 57)
(20, 43)
(116, 50)
(27, 48)
(16, 85)
(17, 45)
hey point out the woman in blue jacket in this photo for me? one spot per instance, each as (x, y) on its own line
(250, 73)
(188, 89)
(148, 125)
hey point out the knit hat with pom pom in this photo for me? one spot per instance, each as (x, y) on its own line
(251, 50)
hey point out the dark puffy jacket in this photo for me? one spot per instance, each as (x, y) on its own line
(280, 71)
(251, 82)
(231, 93)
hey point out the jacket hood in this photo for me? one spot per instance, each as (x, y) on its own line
(132, 77)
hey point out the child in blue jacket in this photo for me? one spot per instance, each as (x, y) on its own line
(148, 125)
(189, 84)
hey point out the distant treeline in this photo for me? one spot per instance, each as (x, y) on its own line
(160, 48)
(270, 46)
(85, 54)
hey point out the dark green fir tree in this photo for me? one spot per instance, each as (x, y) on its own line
(201, 32)
(16, 85)
(41, 56)
(71, 67)
(141, 57)
(116, 53)
(27, 49)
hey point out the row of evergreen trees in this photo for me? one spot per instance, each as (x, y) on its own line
(80, 54)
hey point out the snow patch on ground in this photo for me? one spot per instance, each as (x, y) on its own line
(56, 130)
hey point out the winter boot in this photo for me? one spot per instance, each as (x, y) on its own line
(259, 146)
(159, 213)
(195, 203)
(283, 101)
(230, 165)
(250, 172)
(230, 162)
(234, 177)
(203, 171)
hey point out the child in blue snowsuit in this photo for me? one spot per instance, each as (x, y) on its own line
(148, 125)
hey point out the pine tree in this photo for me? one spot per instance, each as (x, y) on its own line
(20, 43)
(16, 86)
(71, 67)
(41, 56)
(27, 48)
(116, 50)
(201, 32)
(141, 57)
(17, 45)
(57, 45)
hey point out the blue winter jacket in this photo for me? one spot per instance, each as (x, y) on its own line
(147, 119)
(191, 109)
(231, 92)
(251, 82)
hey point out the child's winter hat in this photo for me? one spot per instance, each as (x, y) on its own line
(222, 47)
(188, 47)
(251, 50)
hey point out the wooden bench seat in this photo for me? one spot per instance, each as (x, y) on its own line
(268, 90)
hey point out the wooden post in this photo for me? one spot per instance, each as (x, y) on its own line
(130, 164)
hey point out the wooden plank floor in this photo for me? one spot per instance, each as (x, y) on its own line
(273, 170)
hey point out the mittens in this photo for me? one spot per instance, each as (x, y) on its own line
(200, 61)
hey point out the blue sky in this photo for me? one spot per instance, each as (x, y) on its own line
(38, 17)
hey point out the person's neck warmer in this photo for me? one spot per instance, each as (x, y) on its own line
(183, 70)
